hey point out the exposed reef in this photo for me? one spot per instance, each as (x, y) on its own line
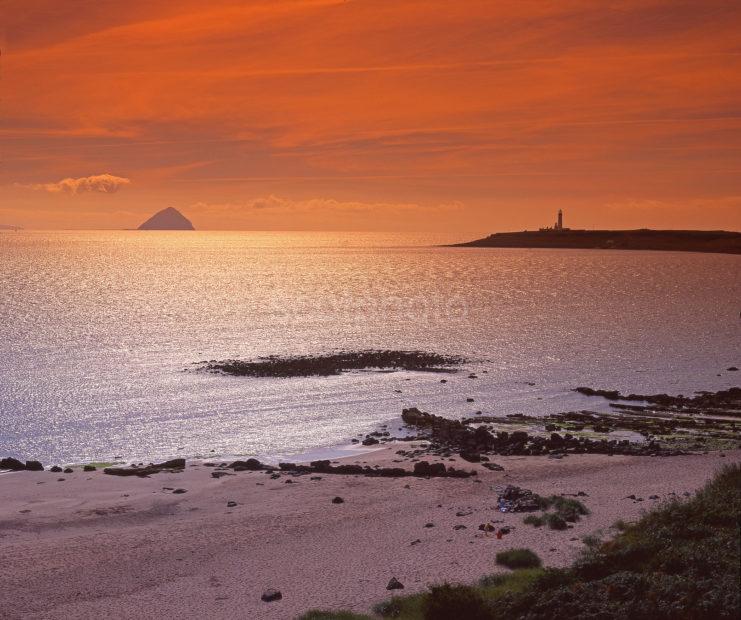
(335, 364)
(724, 402)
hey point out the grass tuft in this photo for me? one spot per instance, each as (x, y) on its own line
(518, 558)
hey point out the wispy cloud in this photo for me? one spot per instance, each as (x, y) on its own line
(101, 183)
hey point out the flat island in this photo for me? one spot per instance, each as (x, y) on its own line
(717, 241)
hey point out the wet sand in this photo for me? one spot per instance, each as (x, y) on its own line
(95, 546)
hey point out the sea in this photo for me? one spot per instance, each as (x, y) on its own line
(101, 334)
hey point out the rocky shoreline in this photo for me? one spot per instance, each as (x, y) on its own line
(663, 426)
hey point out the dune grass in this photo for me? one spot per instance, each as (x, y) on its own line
(680, 561)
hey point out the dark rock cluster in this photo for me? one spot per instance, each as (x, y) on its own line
(459, 436)
(148, 470)
(12, 464)
(335, 363)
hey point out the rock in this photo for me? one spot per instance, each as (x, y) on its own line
(56, 469)
(231, 504)
(415, 542)
(370, 441)
(179, 491)
(89, 468)
(271, 595)
(423, 468)
(653, 497)
(248, 465)
(395, 584)
(518, 437)
(493, 466)
(469, 400)
(429, 525)
(69, 470)
(732, 369)
(143, 472)
(12, 464)
(34, 466)
(338, 500)
(172, 464)
(471, 457)
(459, 527)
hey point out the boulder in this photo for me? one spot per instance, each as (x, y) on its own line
(12, 464)
(34, 466)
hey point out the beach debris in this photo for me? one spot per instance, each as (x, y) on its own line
(459, 527)
(429, 525)
(469, 400)
(395, 584)
(338, 500)
(231, 504)
(415, 542)
(271, 595)
(493, 466)
(517, 499)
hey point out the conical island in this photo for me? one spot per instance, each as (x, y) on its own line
(167, 219)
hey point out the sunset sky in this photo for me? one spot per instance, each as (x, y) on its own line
(408, 115)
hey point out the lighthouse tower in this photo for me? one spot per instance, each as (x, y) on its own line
(559, 223)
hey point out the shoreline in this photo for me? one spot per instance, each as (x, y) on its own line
(192, 553)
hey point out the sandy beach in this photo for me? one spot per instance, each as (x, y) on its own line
(89, 545)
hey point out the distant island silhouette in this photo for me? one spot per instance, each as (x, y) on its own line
(167, 219)
(8, 227)
(717, 241)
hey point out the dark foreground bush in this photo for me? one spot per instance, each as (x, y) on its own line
(518, 558)
(447, 601)
(332, 615)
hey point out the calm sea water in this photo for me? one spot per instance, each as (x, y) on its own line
(99, 332)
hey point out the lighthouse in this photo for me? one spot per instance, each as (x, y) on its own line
(559, 223)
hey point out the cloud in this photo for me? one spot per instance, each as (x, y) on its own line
(102, 183)
(277, 204)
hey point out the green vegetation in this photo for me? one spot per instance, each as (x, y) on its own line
(564, 510)
(681, 561)
(518, 558)
(554, 521)
(533, 520)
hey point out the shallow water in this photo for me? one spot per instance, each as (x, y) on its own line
(99, 332)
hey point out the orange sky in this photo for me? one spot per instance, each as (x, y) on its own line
(429, 115)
